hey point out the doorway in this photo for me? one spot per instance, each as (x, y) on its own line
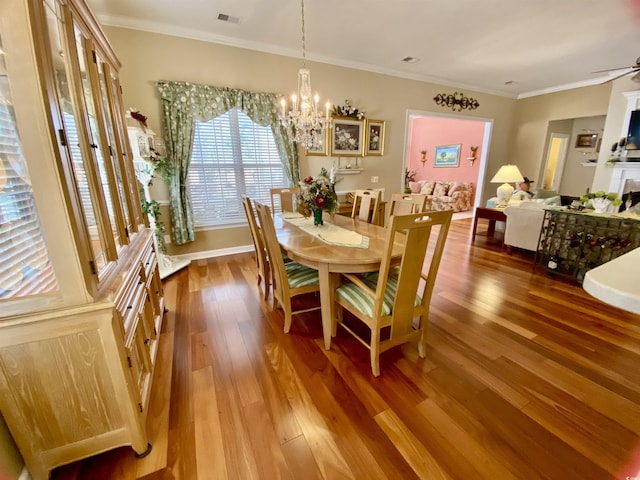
(425, 130)
(555, 160)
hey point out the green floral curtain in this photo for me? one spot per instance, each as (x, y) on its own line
(182, 104)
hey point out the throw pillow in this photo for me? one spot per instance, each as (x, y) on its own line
(441, 189)
(415, 187)
(427, 188)
(459, 187)
(543, 193)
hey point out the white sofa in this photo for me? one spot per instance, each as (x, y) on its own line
(524, 221)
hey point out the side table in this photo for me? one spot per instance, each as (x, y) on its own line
(491, 214)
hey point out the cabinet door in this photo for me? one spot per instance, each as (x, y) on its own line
(129, 192)
(66, 116)
(102, 177)
(26, 269)
(112, 164)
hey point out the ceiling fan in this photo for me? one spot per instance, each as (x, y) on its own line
(627, 71)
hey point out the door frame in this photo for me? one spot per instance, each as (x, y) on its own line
(484, 151)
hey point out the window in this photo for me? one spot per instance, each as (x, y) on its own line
(231, 155)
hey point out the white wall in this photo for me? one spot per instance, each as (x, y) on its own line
(576, 177)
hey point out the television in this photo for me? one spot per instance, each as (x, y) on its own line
(633, 137)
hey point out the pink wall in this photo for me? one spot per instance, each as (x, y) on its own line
(429, 132)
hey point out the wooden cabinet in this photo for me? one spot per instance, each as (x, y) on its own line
(81, 301)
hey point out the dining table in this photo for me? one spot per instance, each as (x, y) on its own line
(341, 245)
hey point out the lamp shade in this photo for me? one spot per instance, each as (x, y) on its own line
(507, 175)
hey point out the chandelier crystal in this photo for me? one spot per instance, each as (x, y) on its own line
(304, 121)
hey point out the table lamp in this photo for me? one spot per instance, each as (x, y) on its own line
(507, 175)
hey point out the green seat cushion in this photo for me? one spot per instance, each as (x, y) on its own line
(361, 300)
(300, 276)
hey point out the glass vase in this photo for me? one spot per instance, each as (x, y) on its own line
(317, 217)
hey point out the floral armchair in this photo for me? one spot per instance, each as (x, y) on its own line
(441, 195)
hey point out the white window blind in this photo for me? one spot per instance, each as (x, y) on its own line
(26, 269)
(231, 155)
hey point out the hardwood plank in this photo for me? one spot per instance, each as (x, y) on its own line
(268, 454)
(208, 434)
(280, 411)
(300, 459)
(410, 447)
(464, 443)
(328, 457)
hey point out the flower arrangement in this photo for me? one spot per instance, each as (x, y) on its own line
(409, 176)
(612, 196)
(347, 110)
(318, 194)
(601, 200)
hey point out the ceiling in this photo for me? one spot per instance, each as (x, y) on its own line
(539, 46)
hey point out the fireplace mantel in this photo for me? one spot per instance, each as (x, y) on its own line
(623, 171)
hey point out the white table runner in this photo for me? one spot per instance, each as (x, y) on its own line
(328, 233)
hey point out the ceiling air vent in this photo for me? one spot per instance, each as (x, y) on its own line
(228, 18)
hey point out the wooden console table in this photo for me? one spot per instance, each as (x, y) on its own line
(571, 242)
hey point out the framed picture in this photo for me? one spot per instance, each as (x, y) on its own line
(447, 156)
(322, 149)
(374, 139)
(347, 137)
(586, 140)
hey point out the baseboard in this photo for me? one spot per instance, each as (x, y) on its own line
(215, 253)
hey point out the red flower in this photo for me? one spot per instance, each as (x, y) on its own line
(308, 180)
(321, 202)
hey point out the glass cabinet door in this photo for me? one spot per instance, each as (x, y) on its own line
(126, 160)
(104, 178)
(26, 268)
(74, 170)
(114, 149)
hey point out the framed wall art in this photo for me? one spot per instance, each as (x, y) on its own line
(447, 156)
(347, 137)
(322, 149)
(374, 138)
(586, 140)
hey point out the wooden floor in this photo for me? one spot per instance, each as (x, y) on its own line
(526, 377)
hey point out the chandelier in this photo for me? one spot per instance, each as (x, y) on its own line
(303, 121)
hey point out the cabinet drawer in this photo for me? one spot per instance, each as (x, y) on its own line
(134, 309)
(148, 264)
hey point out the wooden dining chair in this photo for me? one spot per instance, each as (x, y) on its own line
(405, 203)
(365, 205)
(283, 199)
(388, 301)
(262, 261)
(289, 279)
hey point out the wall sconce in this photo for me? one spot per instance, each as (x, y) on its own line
(423, 156)
(472, 155)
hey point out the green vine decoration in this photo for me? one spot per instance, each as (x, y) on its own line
(152, 209)
(160, 164)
